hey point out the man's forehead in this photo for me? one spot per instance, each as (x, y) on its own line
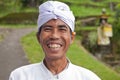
(56, 22)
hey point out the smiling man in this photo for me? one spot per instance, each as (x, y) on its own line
(55, 34)
(55, 38)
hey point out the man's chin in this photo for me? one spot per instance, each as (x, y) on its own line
(54, 57)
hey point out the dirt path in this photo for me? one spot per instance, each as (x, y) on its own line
(11, 52)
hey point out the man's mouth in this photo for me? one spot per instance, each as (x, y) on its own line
(54, 46)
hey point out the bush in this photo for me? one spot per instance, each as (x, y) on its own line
(116, 30)
(116, 24)
(20, 18)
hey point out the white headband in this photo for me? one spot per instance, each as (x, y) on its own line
(54, 10)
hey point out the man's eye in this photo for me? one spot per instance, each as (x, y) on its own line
(47, 29)
(63, 29)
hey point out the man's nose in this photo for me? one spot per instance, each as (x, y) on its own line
(55, 34)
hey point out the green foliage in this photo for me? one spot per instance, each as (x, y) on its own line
(117, 69)
(31, 3)
(24, 3)
(88, 28)
(112, 0)
(116, 26)
(78, 6)
(93, 38)
(116, 32)
(17, 26)
(20, 18)
(82, 12)
(93, 8)
(118, 6)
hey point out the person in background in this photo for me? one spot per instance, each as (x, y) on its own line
(104, 30)
(55, 34)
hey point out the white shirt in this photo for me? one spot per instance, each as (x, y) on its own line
(38, 71)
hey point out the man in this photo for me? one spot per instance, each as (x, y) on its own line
(55, 34)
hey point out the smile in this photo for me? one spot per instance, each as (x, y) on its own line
(54, 46)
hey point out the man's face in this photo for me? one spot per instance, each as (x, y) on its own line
(103, 22)
(55, 38)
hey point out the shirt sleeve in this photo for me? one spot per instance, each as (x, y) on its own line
(89, 75)
(17, 74)
(11, 77)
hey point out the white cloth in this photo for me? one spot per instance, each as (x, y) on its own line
(55, 10)
(102, 39)
(38, 71)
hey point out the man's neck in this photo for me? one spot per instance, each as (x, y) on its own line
(56, 66)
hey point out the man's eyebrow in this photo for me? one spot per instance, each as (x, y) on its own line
(62, 26)
(59, 26)
(44, 26)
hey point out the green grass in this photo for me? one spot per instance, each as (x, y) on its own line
(117, 69)
(83, 8)
(32, 48)
(76, 1)
(89, 1)
(83, 11)
(88, 28)
(76, 54)
(78, 7)
(17, 25)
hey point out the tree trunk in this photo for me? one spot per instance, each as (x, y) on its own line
(32, 3)
(111, 6)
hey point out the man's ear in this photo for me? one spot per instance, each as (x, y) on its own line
(73, 36)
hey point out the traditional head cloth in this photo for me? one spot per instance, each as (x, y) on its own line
(55, 10)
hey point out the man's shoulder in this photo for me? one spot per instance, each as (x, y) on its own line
(27, 68)
(86, 73)
(25, 72)
(79, 68)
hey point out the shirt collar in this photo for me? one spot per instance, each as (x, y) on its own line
(49, 74)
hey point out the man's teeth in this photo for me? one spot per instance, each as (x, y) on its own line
(54, 46)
